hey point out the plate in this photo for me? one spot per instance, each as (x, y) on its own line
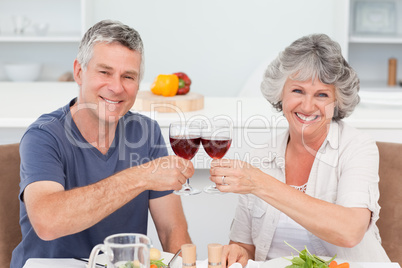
(281, 262)
(166, 256)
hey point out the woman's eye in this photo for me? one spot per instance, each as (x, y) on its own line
(296, 91)
(323, 95)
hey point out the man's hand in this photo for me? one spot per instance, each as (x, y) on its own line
(165, 173)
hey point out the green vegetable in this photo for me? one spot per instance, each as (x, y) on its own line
(128, 264)
(158, 263)
(307, 260)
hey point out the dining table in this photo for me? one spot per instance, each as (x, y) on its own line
(74, 263)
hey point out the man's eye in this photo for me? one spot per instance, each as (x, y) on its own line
(103, 72)
(130, 77)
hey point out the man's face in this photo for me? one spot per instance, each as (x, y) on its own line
(109, 85)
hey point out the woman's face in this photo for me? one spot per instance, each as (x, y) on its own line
(308, 107)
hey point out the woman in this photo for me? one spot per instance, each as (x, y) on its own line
(321, 187)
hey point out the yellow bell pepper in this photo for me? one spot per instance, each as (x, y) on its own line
(165, 85)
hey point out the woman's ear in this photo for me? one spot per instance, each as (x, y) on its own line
(77, 72)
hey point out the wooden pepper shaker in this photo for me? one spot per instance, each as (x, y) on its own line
(189, 255)
(214, 255)
(392, 62)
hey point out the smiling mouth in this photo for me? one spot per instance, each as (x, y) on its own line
(110, 101)
(307, 118)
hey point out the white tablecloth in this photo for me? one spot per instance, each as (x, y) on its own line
(72, 263)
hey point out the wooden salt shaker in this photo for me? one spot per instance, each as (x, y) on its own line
(392, 72)
(189, 255)
(214, 255)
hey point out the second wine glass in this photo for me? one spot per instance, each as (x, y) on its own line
(216, 140)
(185, 139)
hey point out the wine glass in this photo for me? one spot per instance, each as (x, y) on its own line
(185, 139)
(216, 140)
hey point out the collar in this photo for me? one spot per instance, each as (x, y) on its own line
(277, 149)
(278, 146)
(332, 137)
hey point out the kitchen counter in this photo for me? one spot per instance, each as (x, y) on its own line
(27, 101)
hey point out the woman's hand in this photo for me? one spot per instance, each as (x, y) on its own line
(235, 176)
(236, 252)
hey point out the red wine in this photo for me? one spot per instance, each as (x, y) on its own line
(216, 147)
(185, 146)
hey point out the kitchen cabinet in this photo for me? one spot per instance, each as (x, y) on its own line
(49, 34)
(375, 36)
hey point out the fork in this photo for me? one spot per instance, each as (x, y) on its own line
(173, 258)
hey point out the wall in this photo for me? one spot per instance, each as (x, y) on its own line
(219, 43)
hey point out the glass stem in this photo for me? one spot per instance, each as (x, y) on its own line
(186, 185)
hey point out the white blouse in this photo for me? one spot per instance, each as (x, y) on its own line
(293, 233)
(345, 173)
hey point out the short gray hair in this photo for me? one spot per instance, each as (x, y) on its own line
(109, 31)
(310, 57)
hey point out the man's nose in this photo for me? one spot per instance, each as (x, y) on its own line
(115, 84)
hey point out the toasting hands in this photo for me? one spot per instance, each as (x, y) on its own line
(165, 173)
(235, 176)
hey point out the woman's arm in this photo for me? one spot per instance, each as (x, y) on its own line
(336, 224)
(237, 252)
(333, 223)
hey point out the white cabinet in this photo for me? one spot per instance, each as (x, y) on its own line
(55, 47)
(375, 35)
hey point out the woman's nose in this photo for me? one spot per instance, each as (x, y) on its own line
(308, 105)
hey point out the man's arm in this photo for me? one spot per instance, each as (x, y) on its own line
(170, 222)
(54, 212)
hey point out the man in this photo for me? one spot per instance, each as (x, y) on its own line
(93, 168)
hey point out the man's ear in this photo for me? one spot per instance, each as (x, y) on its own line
(77, 72)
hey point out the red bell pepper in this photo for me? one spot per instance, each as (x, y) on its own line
(184, 83)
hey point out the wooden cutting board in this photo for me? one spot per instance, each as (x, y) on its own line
(147, 101)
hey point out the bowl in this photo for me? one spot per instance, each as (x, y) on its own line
(23, 72)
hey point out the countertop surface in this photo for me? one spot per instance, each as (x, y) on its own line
(27, 101)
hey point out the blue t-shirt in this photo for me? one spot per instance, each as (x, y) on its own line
(53, 149)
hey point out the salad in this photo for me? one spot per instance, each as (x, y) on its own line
(155, 261)
(308, 260)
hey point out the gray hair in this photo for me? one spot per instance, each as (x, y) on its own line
(109, 31)
(311, 57)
